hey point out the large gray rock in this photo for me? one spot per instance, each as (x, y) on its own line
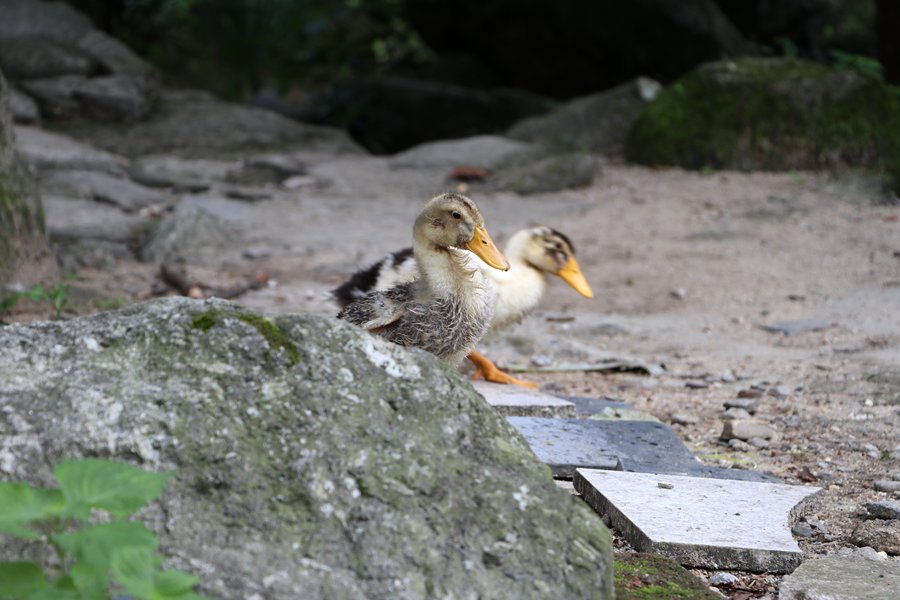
(45, 150)
(834, 578)
(72, 219)
(108, 98)
(597, 123)
(195, 122)
(549, 174)
(61, 24)
(482, 151)
(189, 234)
(103, 187)
(37, 57)
(23, 108)
(314, 460)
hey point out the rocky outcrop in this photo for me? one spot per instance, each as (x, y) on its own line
(567, 49)
(596, 123)
(773, 114)
(313, 460)
(387, 115)
(195, 122)
(72, 69)
(24, 253)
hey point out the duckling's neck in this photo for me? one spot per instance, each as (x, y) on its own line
(519, 291)
(446, 272)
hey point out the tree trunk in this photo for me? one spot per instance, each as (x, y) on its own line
(25, 256)
(887, 30)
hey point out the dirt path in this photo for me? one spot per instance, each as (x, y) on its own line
(686, 268)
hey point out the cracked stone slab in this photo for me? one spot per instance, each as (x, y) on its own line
(644, 446)
(700, 522)
(833, 577)
(513, 400)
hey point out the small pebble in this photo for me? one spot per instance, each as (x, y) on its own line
(723, 579)
(864, 552)
(541, 360)
(750, 393)
(684, 418)
(887, 486)
(257, 252)
(745, 430)
(885, 509)
(664, 485)
(872, 450)
(780, 391)
(735, 413)
(679, 293)
(802, 530)
(746, 404)
(758, 442)
(740, 445)
(696, 385)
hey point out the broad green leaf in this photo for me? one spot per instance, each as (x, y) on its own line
(96, 545)
(90, 580)
(135, 570)
(55, 593)
(21, 504)
(118, 488)
(174, 584)
(19, 579)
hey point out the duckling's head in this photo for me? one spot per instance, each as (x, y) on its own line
(454, 221)
(549, 251)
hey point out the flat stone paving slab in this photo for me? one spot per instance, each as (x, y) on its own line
(700, 522)
(835, 578)
(514, 400)
(643, 446)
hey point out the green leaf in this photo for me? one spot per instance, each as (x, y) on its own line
(21, 504)
(117, 488)
(90, 580)
(96, 545)
(19, 579)
(135, 570)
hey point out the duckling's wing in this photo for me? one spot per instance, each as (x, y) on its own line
(378, 311)
(382, 324)
(397, 267)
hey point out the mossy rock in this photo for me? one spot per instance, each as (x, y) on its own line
(640, 576)
(771, 114)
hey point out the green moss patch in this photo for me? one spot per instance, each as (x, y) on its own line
(650, 577)
(274, 336)
(773, 114)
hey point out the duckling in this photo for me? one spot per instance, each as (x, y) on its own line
(532, 253)
(447, 307)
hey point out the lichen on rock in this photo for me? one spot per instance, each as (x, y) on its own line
(314, 460)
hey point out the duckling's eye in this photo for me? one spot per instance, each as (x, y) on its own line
(456, 215)
(557, 245)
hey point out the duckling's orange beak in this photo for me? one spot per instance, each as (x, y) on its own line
(571, 274)
(485, 249)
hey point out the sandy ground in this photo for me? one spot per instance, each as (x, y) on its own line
(686, 268)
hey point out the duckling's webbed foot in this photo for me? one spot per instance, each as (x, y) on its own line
(487, 369)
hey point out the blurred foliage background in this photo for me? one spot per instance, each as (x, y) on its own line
(239, 47)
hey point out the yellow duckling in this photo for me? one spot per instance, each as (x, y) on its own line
(532, 253)
(447, 307)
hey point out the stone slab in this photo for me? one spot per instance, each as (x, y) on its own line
(592, 406)
(643, 446)
(835, 578)
(514, 400)
(700, 522)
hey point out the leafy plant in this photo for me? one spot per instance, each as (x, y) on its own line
(864, 65)
(57, 296)
(99, 561)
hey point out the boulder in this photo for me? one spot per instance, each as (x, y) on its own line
(45, 150)
(313, 460)
(22, 108)
(25, 256)
(63, 26)
(549, 174)
(103, 187)
(387, 115)
(481, 151)
(189, 234)
(71, 220)
(596, 123)
(37, 57)
(192, 122)
(567, 49)
(771, 113)
(109, 98)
